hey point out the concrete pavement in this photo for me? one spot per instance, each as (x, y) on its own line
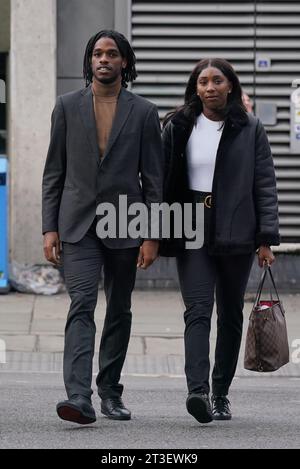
(32, 330)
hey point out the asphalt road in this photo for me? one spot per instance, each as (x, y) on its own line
(266, 414)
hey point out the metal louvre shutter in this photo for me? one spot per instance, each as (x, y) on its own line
(169, 37)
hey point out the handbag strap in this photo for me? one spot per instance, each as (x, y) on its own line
(267, 269)
(273, 282)
(260, 287)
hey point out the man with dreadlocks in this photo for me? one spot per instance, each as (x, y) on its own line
(105, 141)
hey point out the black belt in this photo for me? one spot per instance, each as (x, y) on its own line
(201, 197)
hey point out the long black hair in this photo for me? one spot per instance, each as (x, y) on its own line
(193, 107)
(128, 73)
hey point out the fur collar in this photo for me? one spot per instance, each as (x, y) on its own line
(179, 119)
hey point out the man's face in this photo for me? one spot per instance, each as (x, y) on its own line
(107, 62)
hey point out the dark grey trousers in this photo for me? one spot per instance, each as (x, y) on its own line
(82, 265)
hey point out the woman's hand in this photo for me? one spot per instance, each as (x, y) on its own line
(265, 255)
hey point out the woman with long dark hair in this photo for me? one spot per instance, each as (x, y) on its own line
(218, 155)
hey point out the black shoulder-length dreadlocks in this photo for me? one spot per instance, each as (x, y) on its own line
(128, 74)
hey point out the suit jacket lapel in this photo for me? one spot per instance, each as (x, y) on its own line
(86, 106)
(123, 110)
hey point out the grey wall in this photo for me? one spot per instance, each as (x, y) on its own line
(77, 21)
(32, 81)
(4, 25)
(4, 48)
(286, 271)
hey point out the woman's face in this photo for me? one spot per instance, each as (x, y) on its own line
(213, 88)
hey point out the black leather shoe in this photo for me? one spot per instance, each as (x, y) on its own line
(113, 408)
(221, 408)
(198, 406)
(77, 409)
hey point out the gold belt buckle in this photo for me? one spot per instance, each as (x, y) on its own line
(207, 201)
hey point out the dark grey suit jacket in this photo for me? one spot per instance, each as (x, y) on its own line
(75, 180)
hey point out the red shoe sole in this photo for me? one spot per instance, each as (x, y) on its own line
(74, 415)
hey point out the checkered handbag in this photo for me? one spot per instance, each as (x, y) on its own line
(267, 347)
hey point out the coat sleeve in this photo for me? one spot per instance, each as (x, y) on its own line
(167, 148)
(265, 192)
(152, 166)
(54, 170)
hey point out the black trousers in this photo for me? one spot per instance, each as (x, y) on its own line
(82, 265)
(199, 275)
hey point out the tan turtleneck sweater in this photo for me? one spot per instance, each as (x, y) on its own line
(105, 98)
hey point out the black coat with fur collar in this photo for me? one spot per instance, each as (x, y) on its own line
(244, 195)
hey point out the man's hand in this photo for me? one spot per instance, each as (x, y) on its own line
(265, 255)
(148, 253)
(52, 247)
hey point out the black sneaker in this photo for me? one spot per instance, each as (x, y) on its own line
(221, 408)
(198, 406)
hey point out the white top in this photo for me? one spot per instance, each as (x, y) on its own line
(202, 150)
